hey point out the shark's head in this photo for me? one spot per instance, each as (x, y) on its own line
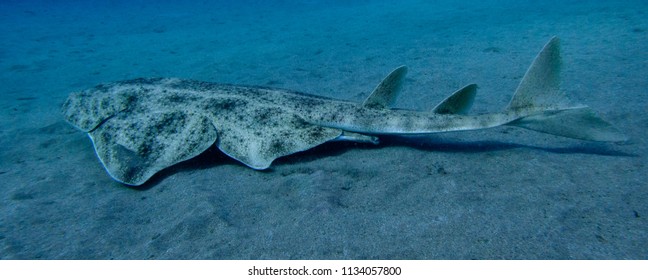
(88, 108)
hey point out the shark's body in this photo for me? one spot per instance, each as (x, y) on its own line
(139, 127)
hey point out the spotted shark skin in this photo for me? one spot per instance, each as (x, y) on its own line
(139, 127)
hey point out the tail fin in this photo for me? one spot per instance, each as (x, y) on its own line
(546, 108)
(579, 123)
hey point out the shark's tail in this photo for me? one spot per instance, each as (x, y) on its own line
(544, 107)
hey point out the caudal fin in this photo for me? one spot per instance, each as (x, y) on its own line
(544, 107)
(579, 123)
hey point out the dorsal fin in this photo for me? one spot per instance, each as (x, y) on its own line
(459, 102)
(385, 93)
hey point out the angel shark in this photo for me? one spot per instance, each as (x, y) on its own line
(139, 127)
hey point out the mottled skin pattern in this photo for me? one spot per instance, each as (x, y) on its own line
(141, 126)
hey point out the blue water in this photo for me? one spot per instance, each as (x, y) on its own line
(497, 194)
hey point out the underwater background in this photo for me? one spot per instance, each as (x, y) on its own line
(503, 193)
